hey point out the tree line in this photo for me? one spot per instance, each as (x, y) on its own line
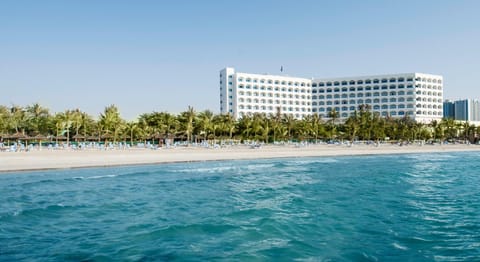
(192, 126)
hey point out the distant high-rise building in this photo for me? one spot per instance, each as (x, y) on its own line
(449, 109)
(463, 110)
(418, 96)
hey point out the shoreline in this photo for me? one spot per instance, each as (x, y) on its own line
(37, 160)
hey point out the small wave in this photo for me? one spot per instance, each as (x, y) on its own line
(321, 161)
(398, 246)
(99, 177)
(204, 169)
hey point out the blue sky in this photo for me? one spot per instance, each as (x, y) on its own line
(146, 56)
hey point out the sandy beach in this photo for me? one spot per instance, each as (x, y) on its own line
(59, 159)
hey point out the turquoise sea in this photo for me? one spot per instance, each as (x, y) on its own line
(413, 207)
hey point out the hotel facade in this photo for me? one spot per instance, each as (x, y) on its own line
(417, 95)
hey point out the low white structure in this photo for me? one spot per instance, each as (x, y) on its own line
(419, 96)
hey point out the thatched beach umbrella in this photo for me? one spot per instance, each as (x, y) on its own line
(18, 135)
(60, 137)
(77, 137)
(160, 138)
(92, 138)
(39, 138)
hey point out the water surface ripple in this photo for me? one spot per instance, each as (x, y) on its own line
(418, 207)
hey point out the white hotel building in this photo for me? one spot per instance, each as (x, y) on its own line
(420, 96)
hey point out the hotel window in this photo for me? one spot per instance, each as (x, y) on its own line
(368, 81)
(344, 83)
(384, 80)
(376, 81)
(359, 82)
(329, 83)
(352, 108)
(352, 89)
(352, 82)
(336, 83)
(321, 84)
(352, 102)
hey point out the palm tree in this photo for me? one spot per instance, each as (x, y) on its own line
(131, 128)
(17, 118)
(111, 122)
(228, 122)
(290, 123)
(378, 127)
(333, 115)
(4, 119)
(451, 127)
(205, 123)
(63, 123)
(258, 126)
(188, 119)
(87, 123)
(352, 125)
(37, 118)
(169, 124)
(77, 122)
(245, 126)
